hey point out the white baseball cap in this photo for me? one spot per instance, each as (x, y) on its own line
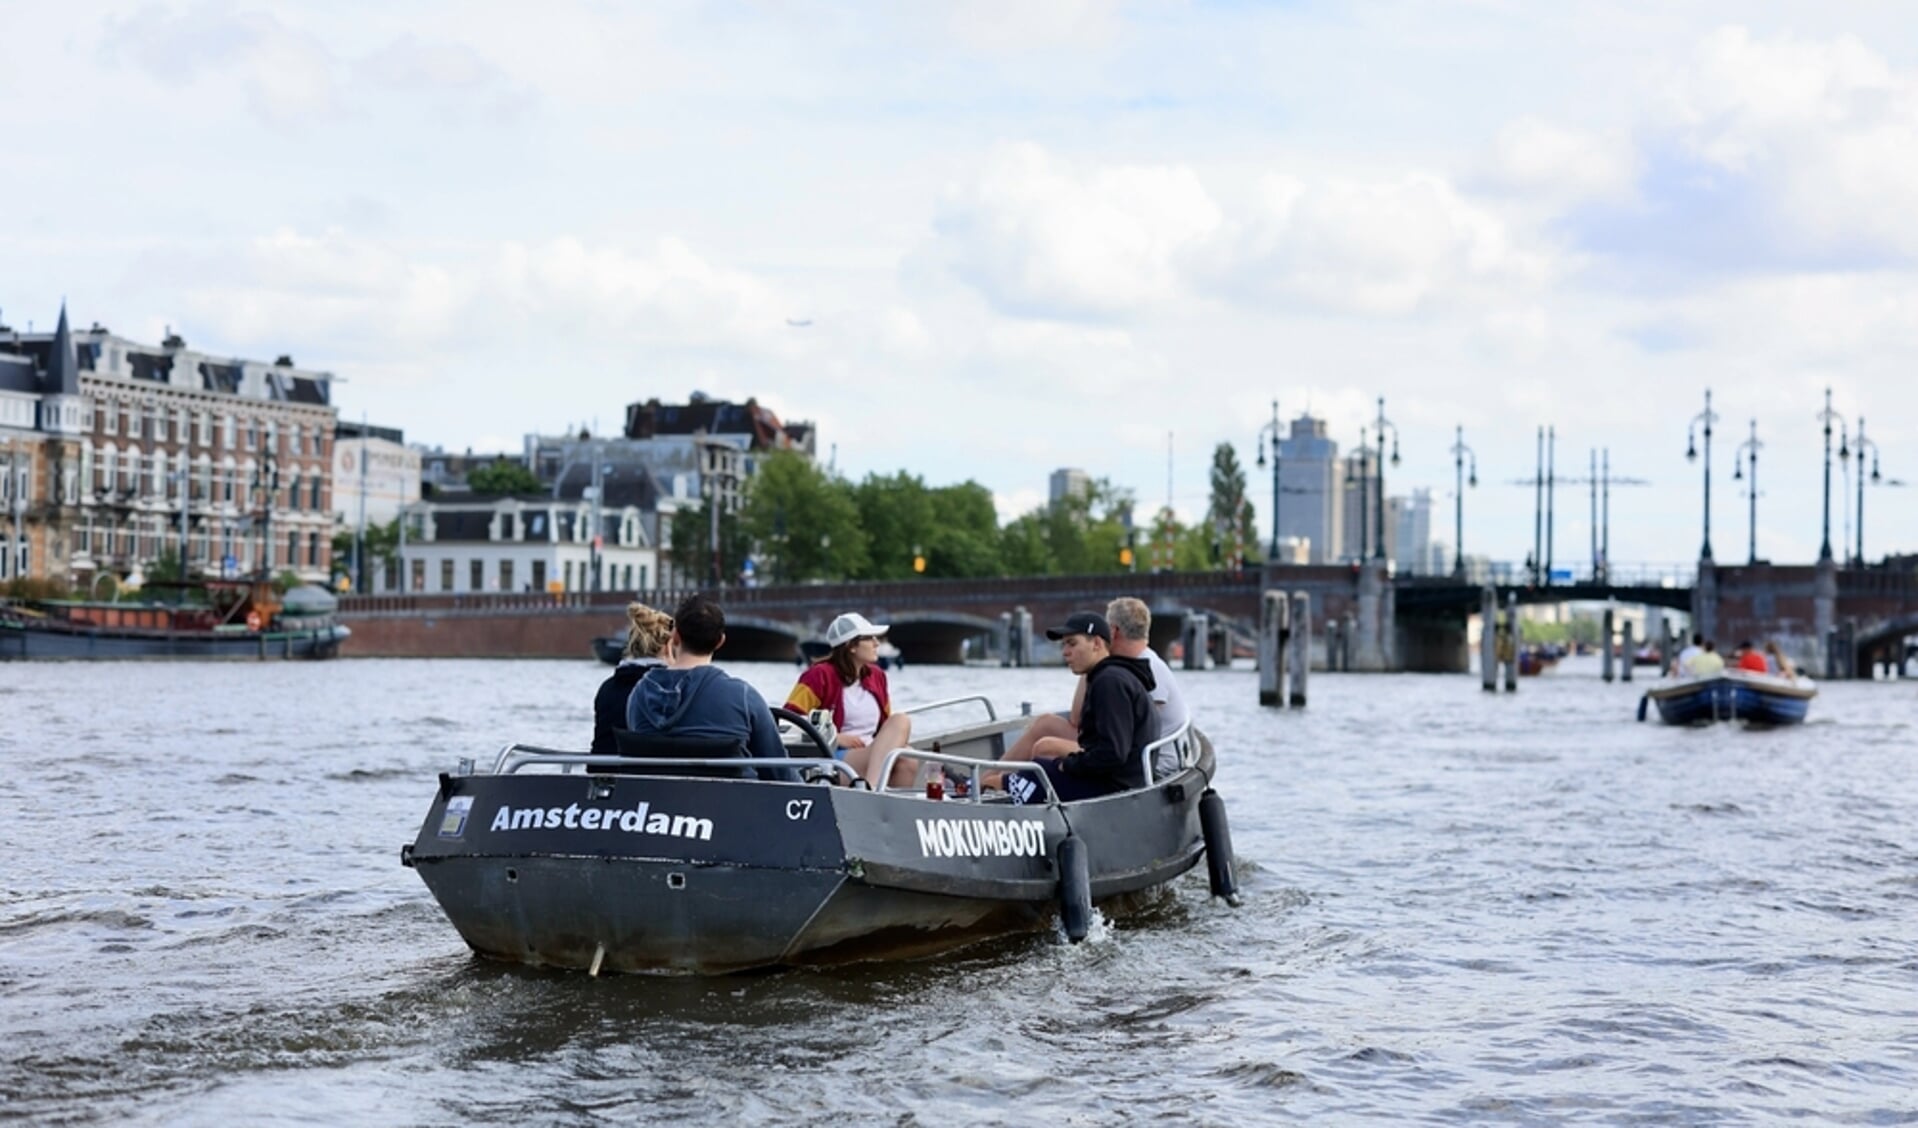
(850, 626)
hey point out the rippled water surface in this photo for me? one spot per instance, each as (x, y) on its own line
(1459, 907)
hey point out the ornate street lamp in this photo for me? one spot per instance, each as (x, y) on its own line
(1864, 442)
(1827, 417)
(1749, 448)
(1460, 452)
(1706, 418)
(1272, 556)
(1378, 547)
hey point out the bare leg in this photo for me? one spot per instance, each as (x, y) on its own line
(895, 733)
(1026, 748)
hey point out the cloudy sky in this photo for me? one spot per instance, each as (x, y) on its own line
(1023, 235)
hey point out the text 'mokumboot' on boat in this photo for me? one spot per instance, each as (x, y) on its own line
(1733, 695)
(651, 862)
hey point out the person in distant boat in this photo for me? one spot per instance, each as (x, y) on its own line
(849, 683)
(1776, 660)
(1131, 623)
(1116, 719)
(690, 697)
(649, 635)
(1682, 665)
(1748, 659)
(1708, 662)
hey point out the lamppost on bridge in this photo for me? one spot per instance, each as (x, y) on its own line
(1749, 449)
(1864, 442)
(1357, 472)
(1460, 452)
(1706, 418)
(1827, 417)
(1272, 555)
(1378, 548)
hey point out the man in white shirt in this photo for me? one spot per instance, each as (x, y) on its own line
(1131, 622)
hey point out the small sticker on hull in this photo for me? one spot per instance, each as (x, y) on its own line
(453, 825)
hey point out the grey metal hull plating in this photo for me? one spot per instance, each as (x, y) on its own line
(784, 873)
(21, 641)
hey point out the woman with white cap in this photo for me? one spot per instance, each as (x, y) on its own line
(849, 683)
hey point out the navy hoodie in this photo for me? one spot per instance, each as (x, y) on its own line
(707, 702)
(1116, 722)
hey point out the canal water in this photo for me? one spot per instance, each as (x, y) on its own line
(1460, 907)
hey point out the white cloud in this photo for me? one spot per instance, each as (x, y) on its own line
(1559, 165)
(1039, 237)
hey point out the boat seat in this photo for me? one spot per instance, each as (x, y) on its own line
(664, 746)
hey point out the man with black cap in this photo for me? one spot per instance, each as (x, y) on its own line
(1115, 724)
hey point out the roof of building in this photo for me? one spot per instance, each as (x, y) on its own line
(714, 417)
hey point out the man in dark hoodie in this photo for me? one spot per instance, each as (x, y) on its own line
(1116, 722)
(693, 698)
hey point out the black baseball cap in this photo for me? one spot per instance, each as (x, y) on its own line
(1082, 623)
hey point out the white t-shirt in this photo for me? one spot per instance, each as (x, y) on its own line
(861, 709)
(1172, 712)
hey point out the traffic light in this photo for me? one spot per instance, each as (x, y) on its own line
(1125, 556)
(919, 564)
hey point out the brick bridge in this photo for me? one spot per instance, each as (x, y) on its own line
(1380, 622)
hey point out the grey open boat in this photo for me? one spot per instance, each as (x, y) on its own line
(570, 860)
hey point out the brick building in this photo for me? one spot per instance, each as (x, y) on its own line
(134, 448)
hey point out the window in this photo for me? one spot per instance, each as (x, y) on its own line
(203, 428)
(294, 438)
(628, 585)
(477, 568)
(313, 543)
(226, 430)
(536, 527)
(506, 575)
(293, 549)
(567, 585)
(293, 491)
(539, 575)
(446, 575)
(253, 434)
(315, 483)
(642, 578)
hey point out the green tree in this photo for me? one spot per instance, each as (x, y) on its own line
(381, 546)
(896, 511)
(805, 524)
(964, 542)
(503, 477)
(1229, 515)
(692, 544)
(1072, 536)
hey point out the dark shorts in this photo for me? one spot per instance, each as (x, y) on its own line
(1025, 789)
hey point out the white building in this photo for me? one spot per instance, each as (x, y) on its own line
(461, 545)
(375, 474)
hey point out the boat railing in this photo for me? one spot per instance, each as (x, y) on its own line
(992, 714)
(1180, 740)
(975, 769)
(513, 757)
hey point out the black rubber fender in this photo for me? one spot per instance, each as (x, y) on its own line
(1075, 888)
(1218, 847)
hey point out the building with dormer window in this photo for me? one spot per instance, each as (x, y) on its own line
(137, 451)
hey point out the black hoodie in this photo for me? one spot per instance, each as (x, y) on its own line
(1116, 722)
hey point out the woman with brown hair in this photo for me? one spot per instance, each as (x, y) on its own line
(648, 641)
(849, 683)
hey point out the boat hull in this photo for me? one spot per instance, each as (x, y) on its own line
(36, 641)
(717, 875)
(1733, 696)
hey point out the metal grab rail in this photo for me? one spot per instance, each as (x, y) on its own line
(525, 755)
(1178, 738)
(974, 766)
(991, 713)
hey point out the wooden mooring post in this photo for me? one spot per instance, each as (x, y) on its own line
(1488, 647)
(1198, 628)
(1605, 645)
(1509, 650)
(1275, 651)
(1627, 652)
(1301, 663)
